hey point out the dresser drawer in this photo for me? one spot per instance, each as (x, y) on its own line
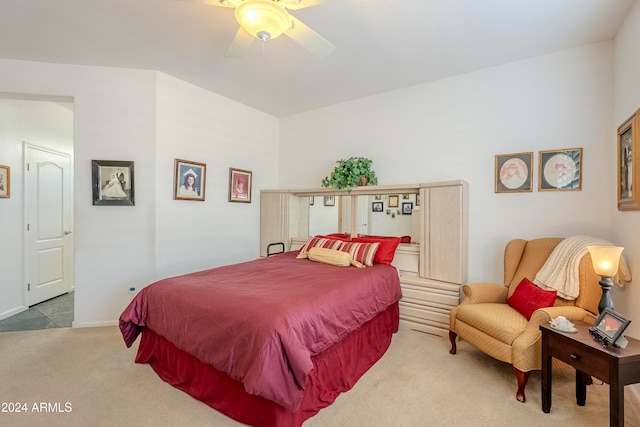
(583, 358)
(421, 312)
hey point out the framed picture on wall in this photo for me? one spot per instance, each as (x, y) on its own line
(329, 200)
(513, 173)
(5, 181)
(628, 166)
(239, 185)
(407, 208)
(112, 182)
(393, 201)
(189, 180)
(376, 207)
(560, 170)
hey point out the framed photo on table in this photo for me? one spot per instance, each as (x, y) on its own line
(628, 166)
(189, 180)
(5, 181)
(112, 183)
(560, 170)
(609, 327)
(513, 173)
(239, 185)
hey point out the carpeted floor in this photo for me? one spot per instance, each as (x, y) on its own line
(88, 377)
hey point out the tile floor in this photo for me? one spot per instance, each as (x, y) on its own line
(54, 313)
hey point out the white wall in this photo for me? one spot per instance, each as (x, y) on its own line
(126, 115)
(204, 127)
(453, 128)
(47, 124)
(626, 225)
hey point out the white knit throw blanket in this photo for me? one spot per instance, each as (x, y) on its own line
(560, 271)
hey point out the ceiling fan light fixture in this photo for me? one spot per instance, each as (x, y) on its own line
(263, 19)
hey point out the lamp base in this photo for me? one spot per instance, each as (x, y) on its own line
(605, 300)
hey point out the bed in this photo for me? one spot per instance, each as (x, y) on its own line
(268, 342)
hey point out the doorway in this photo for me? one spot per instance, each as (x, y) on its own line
(47, 124)
(49, 223)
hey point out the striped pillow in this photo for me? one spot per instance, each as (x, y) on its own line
(361, 252)
(319, 242)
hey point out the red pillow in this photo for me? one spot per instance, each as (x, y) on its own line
(527, 298)
(386, 248)
(345, 237)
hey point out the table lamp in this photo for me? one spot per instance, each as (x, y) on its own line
(605, 261)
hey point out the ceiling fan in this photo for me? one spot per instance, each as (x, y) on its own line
(267, 19)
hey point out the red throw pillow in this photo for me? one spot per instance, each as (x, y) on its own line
(386, 248)
(345, 237)
(527, 298)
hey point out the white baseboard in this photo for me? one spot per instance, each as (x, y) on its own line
(75, 324)
(13, 312)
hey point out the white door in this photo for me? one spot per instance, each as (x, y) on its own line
(48, 224)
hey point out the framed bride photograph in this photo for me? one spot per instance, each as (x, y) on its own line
(112, 182)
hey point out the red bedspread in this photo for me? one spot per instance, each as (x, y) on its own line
(261, 321)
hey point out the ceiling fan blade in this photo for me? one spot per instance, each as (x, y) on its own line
(223, 3)
(240, 44)
(301, 4)
(309, 39)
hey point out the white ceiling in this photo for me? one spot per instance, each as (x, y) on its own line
(381, 45)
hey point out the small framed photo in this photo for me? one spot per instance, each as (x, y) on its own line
(393, 201)
(560, 170)
(628, 166)
(513, 173)
(311, 200)
(407, 208)
(239, 185)
(5, 182)
(376, 207)
(329, 200)
(609, 327)
(189, 180)
(112, 182)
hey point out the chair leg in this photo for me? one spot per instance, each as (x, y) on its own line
(452, 338)
(522, 377)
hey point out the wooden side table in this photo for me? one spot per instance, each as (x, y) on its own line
(615, 366)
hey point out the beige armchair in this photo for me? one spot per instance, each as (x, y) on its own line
(486, 321)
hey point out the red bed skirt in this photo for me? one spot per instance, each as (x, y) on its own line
(334, 371)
